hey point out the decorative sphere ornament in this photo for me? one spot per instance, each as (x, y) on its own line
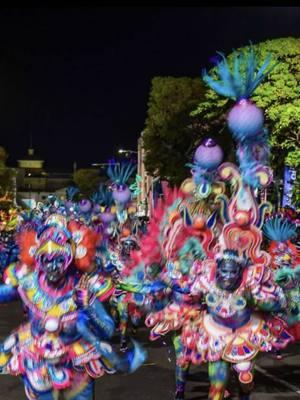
(69, 204)
(125, 232)
(122, 194)
(245, 119)
(209, 154)
(199, 223)
(188, 186)
(107, 217)
(51, 324)
(85, 205)
(242, 218)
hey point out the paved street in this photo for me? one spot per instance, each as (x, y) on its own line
(276, 380)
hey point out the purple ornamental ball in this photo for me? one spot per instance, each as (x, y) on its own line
(209, 154)
(69, 204)
(245, 119)
(85, 205)
(122, 194)
(107, 217)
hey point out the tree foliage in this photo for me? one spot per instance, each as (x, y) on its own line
(170, 132)
(87, 181)
(278, 96)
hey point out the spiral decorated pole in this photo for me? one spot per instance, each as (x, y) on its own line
(207, 158)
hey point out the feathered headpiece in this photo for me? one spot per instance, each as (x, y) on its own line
(71, 192)
(104, 198)
(280, 231)
(54, 238)
(86, 242)
(74, 239)
(120, 173)
(243, 80)
(234, 255)
(169, 229)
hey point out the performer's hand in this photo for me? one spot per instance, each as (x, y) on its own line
(81, 292)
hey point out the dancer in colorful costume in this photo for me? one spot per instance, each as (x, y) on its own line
(121, 231)
(173, 243)
(241, 235)
(235, 282)
(240, 295)
(286, 264)
(180, 233)
(8, 247)
(280, 231)
(235, 272)
(65, 343)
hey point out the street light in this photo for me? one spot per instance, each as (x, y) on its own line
(127, 151)
(104, 164)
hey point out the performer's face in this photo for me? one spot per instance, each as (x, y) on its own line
(128, 246)
(54, 265)
(229, 274)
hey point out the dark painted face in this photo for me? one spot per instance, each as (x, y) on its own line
(128, 246)
(54, 267)
(229, 274)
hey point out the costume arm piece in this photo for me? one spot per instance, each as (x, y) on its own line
(142, 288)
(102, 287)
(102, 322)
(94, 322)
(89, 295)
(201, 278)
(95, 315)
(8, 290)
(85, 322)
(8, 293)
(266, 294)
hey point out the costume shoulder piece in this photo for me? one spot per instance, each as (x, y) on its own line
(14, 272)
(257, 274)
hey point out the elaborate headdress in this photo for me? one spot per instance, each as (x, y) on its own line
(76, 241)
(233, 255)
(172, 232)
(280, 231)
(243, 218)
(119, 175)
(245, 120)
(54, 238)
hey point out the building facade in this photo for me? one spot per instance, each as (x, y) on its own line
(148, 183)
(34, 184)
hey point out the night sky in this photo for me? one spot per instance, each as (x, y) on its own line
(78, 79)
